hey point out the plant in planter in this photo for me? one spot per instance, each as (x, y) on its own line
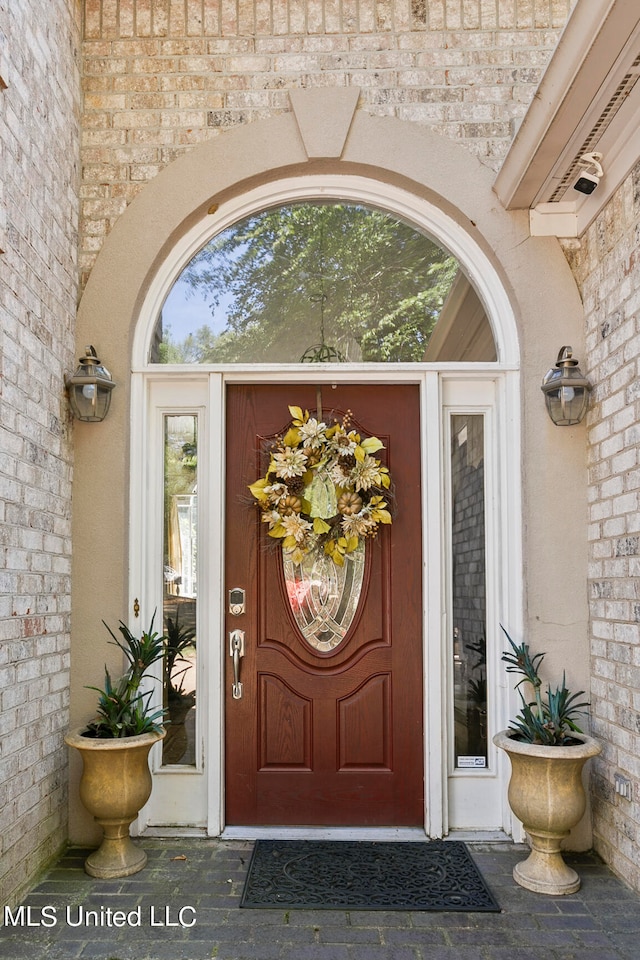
(114, 746)
(548, 751)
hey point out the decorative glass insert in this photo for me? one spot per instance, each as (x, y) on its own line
(324, 597)
(321, 282)
(469, 591)
(180, 593)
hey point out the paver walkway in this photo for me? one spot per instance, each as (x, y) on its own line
(185, 906)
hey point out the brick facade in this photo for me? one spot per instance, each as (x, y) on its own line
(39, 130)
(160, 76)
(163, 75)
(606, 266)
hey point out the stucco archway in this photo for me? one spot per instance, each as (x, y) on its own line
(326, 135)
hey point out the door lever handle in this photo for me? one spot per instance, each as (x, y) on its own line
(236, 652)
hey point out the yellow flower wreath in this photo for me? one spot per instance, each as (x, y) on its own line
(323, 489)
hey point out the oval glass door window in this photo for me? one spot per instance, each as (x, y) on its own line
(324, 597)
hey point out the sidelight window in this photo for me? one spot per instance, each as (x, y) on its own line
(469, 591)
(180, 587)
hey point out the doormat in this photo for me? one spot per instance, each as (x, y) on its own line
(355, 875)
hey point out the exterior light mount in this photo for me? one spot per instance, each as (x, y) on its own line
(566, 390)
(89, 388)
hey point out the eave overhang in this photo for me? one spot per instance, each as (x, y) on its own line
(588, 101)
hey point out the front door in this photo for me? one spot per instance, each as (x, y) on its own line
(326, 734)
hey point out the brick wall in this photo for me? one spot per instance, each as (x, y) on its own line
(39, 142)
(163, 75)
(159, 77)
(606, 263)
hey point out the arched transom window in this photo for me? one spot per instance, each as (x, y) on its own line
(313, 281)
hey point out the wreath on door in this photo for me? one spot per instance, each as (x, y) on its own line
(324, 490)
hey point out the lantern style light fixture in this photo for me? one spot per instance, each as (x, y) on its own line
(90, 388)
(566, 390)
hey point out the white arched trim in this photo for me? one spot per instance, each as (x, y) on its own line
(421, 213)
(438, 384)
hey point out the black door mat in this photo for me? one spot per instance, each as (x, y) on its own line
(358, 875)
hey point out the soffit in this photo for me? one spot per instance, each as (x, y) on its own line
(588, 101)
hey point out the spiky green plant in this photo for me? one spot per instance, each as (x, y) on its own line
(179, 637)
(478, 691)
(549, 720)
(124, 711)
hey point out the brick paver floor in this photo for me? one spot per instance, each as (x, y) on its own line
(185, 906)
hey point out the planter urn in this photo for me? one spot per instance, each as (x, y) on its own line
(547, 795)
(114, 786)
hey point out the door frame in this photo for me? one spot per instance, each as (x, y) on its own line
(381, 641)
(434, 378)
(443, 387)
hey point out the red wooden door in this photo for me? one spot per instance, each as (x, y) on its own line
(325, 738)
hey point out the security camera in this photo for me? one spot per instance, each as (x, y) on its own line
(586, 182)
(589, 178)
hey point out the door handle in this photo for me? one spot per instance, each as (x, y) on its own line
(236, 652)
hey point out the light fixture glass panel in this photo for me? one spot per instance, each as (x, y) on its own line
(567, 405)
(89, 402)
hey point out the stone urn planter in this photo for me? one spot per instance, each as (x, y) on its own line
(114, 786)
(114, 746)
(548, 751)
(547, 795)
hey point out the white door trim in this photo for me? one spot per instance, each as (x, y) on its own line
(434, 221)
(504, 586)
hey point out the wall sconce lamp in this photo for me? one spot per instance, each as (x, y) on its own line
(90, 388)
(566, 390)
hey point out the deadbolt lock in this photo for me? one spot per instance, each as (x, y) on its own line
(236, 601)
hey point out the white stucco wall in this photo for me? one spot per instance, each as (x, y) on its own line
(398, 154)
